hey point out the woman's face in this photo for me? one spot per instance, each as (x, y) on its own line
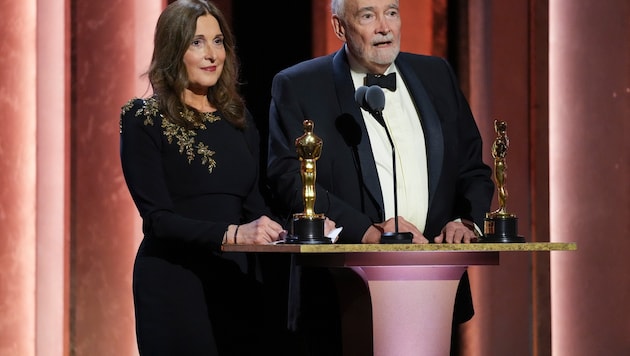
(205, 55)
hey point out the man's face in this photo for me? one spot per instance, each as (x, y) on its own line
(372, 32)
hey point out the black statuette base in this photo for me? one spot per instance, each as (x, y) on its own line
(307, 230)
(501, 228)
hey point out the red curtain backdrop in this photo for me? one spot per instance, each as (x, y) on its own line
(556, 71)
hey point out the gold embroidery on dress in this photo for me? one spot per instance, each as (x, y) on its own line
(184, 138)
(210, 117)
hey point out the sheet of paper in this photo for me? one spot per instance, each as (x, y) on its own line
(334, 235)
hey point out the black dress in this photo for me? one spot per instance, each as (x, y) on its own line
(188, 186)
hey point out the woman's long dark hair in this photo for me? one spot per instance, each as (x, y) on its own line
(167, 74)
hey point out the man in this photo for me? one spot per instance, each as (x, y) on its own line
(443, 186)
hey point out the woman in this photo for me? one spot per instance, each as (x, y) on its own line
(190, 159)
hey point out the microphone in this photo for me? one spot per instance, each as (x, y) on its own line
(372, 100)
(359, 97)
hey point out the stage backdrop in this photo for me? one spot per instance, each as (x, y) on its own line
(557, 71)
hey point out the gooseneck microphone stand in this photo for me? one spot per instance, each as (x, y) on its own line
(372, 100)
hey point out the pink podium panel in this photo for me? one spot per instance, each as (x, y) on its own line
(412, 295)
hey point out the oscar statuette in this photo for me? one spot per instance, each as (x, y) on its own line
(500, 225)
(308, 227)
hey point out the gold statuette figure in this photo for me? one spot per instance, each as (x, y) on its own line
(309, 148)
(308, 227)
(499, 151)
(500, 225)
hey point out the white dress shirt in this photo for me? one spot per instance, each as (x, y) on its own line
(403, 122)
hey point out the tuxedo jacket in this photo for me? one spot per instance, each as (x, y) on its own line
(347, 184)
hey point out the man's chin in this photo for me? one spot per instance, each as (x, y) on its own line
(385, 57)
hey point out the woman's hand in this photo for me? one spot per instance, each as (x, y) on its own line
(329, 226)
(258, 232)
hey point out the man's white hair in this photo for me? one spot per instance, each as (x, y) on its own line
(337, 7)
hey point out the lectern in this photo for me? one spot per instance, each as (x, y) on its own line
(412, 286)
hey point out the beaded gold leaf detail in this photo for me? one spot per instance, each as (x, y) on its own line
(183, 137)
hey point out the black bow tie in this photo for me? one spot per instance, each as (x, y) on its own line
(383, 81)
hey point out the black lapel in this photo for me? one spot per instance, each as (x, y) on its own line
(434, 140)
(350, 109)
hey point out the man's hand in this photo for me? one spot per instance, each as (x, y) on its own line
(373, 234)
(456, 232)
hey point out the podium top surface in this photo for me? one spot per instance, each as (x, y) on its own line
(345, 248)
